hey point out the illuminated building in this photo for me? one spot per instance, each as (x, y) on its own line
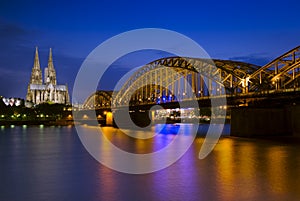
(12, 101)
(47, 91)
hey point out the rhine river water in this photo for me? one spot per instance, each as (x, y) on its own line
(50, 163)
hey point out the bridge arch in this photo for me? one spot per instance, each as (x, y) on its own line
(99, 99)
(281, 73)
(160, 80)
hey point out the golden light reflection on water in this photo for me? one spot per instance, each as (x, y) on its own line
(276, 158)
(239, 171)
(248, 168)
(237, 168)
(226, 175)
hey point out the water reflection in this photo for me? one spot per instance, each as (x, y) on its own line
(254, 169)
(167, 129)
(52, 164)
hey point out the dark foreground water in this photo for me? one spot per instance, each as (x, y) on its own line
(50, 163)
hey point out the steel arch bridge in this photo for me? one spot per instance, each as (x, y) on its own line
(99, 99)
(281, 73)
(177, 78)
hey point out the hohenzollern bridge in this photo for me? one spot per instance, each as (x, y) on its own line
(161, 81)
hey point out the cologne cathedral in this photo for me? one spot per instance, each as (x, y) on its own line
(47, 91)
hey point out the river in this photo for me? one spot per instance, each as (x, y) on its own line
(50, 163)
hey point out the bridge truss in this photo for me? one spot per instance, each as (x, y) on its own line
(177, 78)
(281, 73)
(99, 99)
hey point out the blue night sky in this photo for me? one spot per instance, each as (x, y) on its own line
(254, 32)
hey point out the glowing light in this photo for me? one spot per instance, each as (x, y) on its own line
(109, 118)
(18, 103)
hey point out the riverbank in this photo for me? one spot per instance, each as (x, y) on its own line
(37, 122)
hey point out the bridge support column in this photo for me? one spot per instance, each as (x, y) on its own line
(152, 116)
(295, 120)
(252, 122)
(109, 118)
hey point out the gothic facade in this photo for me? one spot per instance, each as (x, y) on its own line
(47, 91)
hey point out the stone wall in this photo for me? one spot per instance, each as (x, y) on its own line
(248, 122)
(295, 119)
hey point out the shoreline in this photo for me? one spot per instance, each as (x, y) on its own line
(36, 122)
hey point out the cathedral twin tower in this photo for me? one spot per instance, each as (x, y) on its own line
(47, 91)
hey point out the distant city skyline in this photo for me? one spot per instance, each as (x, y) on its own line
(255, 32)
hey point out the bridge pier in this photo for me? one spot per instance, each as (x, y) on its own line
(252, 122)
(109, 119)
(295, 120)
(138, 118)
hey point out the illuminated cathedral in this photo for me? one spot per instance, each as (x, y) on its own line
(47, 91)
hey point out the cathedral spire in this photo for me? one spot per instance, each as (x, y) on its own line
(50, 74)
(36, 75)
(36, 64)
(50, 60)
